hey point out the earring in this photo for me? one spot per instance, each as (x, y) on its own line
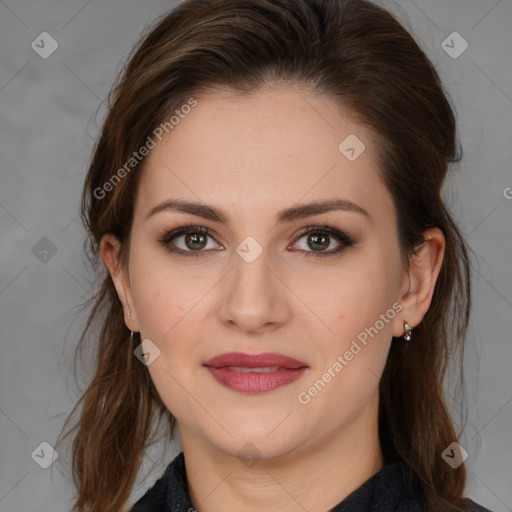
(408, 330)
(131, 332)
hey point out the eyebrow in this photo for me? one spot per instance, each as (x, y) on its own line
(287, 215)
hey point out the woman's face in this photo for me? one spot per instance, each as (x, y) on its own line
(256, 283)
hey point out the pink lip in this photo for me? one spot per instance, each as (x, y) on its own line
(254, 361)
(289, 370)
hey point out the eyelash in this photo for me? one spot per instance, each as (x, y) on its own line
(344, 240)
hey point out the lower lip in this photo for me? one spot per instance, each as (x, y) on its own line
(255, 382)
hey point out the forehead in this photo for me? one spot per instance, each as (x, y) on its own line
(276, 147)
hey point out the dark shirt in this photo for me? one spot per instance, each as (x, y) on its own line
(386, 491)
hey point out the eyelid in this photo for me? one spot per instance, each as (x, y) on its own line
(341, 237)
(344, 240)
(170, 235)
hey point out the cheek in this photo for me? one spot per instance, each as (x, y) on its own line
(170, 301)
(350, 362)
(351, 296)
(361, 315)
(161, 295)
(169, 314)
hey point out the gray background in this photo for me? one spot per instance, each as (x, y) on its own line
(50, 111)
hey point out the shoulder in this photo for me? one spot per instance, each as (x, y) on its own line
(416, 492)
(159, 495)
(472, 506)
(154, 497)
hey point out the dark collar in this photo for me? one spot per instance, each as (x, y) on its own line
(389, 490)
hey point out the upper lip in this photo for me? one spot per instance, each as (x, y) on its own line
(264, 360)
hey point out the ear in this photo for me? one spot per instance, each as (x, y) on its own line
(109, 248)
(419, 280)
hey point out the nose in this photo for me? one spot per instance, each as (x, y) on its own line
(254, 297)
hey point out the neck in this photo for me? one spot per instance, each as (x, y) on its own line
(315, 477)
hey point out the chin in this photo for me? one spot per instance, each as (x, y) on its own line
(256, 442)
(252, 449)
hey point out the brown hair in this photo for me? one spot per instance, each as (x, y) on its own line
(360, 55)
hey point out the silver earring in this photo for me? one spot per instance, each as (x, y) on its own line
(131, 332)
(408, 330)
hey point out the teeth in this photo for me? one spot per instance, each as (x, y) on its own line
(257, 370)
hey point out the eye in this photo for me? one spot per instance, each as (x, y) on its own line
(320, 238)
(194, 240)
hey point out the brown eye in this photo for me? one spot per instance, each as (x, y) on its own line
(195, 241)
(318, 239)
(187, 241)
(318, 242)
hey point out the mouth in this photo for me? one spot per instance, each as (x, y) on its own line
(258, 373)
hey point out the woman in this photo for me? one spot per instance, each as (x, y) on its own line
(285, 283)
